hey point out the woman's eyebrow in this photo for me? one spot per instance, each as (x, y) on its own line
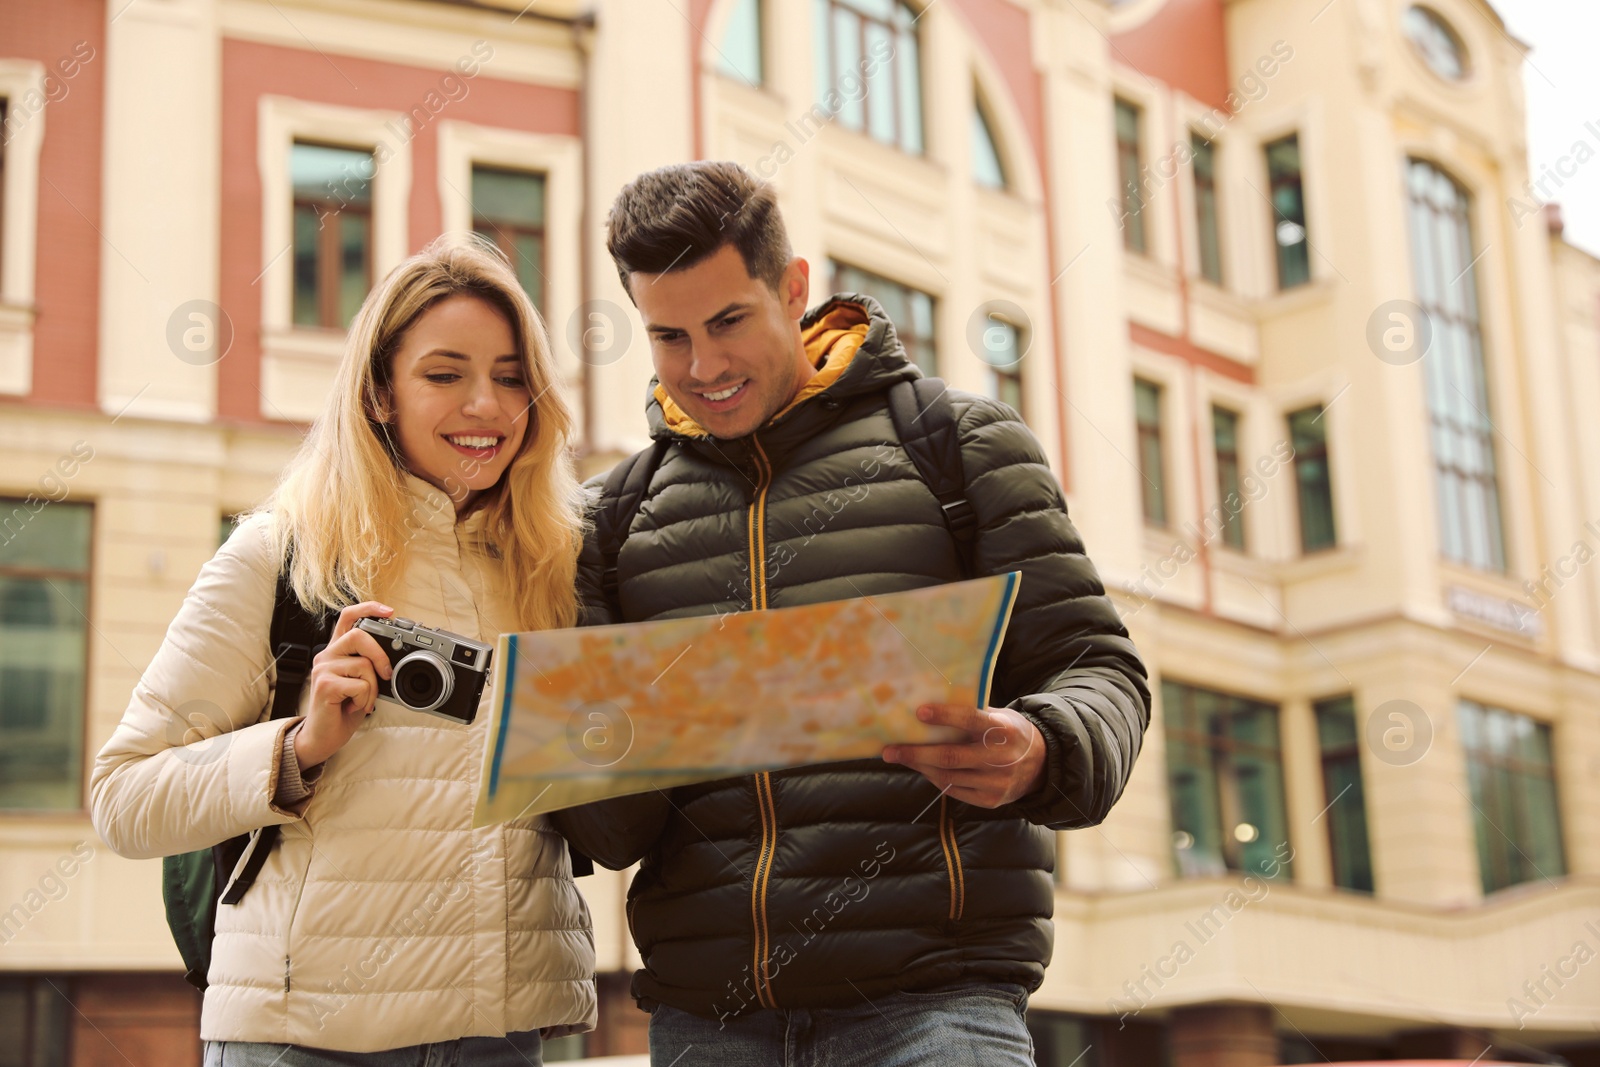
(509, 357)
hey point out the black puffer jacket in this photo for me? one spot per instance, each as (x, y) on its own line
(818, 886)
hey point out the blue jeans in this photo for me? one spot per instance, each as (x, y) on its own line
(958, 1026)
(513, 1050)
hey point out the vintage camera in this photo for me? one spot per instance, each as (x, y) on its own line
(435, 671)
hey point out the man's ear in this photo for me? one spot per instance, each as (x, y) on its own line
(796, 287)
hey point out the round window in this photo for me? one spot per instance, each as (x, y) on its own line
(1437, 42)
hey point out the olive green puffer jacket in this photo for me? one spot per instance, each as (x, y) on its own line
(817, 886)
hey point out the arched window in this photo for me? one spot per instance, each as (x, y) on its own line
(1437, 41)
(869, 68)
(1458, 393)
(987, 170)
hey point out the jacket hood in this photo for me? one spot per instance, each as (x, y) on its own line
(851, 342)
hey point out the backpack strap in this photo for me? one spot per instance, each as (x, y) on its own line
(296, 636)
(620, 499)
(624, 492)
(925, 422)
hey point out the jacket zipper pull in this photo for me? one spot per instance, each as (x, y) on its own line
(286, 974)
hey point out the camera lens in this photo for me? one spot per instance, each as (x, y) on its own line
(422, 681)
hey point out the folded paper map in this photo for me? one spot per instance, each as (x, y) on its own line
(604, 711)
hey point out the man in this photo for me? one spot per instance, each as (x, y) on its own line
(882, 911)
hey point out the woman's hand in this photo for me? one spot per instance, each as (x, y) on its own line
(344, 685)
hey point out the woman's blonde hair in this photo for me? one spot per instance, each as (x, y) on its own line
(343, 515)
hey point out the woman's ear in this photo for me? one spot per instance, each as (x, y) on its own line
(380, 407)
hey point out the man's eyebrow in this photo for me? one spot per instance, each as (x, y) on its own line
(722, 314)
(725, 312)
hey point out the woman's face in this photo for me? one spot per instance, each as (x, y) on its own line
(460, 397)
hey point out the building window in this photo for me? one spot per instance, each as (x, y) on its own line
(1307, 434)
(1342, 792)
(1002, 356)
(44, 610)
(739, 54)
(1129, 120)
(1152, 466)
(1225, 439)
(869, 68)
(1061, 1040)
(1225, 774)
(5, 139)
(987, 169)
(1436, 42)
(1289, 212)
(1205, 208)
(1513, 784)
(911, 311)
(35, 1014)
(332, 233)
(1468, 492)
(508, 208)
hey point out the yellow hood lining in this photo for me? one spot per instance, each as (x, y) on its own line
(830, 343)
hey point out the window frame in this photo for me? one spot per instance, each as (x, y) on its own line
(999, 379)
(48, 1013)
(1345, 755)
(1423, 50)
(914, 343)
(501, 231)
(1302, 460)
(1221, 751)
(828, 11)
(559, 157)
(298, 363)
(722, 65)
(330, 246)
(1130, 159)
(21, 80)
(1276, 181)
(1206, 193)
(1147, 435)
(983, 126)
(1469, 504)
(1476, 758)
(1233, 531)
(87, 577)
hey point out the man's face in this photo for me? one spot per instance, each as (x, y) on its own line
(726, 347)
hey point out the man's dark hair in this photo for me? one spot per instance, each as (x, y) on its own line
(675, 217)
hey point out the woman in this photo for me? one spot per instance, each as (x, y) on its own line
(436, 486)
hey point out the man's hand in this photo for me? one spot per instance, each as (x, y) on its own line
(1002, 761)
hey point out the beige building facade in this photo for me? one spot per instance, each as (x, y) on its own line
(1310, 356)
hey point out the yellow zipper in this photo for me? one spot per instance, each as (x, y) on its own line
(952, 860)
(758, 891)
(768, 809)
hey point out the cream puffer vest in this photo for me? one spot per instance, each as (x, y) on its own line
(381, 919)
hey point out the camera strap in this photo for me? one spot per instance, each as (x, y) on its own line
(296, 636)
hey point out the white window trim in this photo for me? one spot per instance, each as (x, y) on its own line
(1347, 529)
(297, 364)
(1177, 422)
(560, 160)
(1153, 133)
(21, 81)
(1305, 121)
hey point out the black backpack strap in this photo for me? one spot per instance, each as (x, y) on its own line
(296, 636)
(620, 499)
(925, 422)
